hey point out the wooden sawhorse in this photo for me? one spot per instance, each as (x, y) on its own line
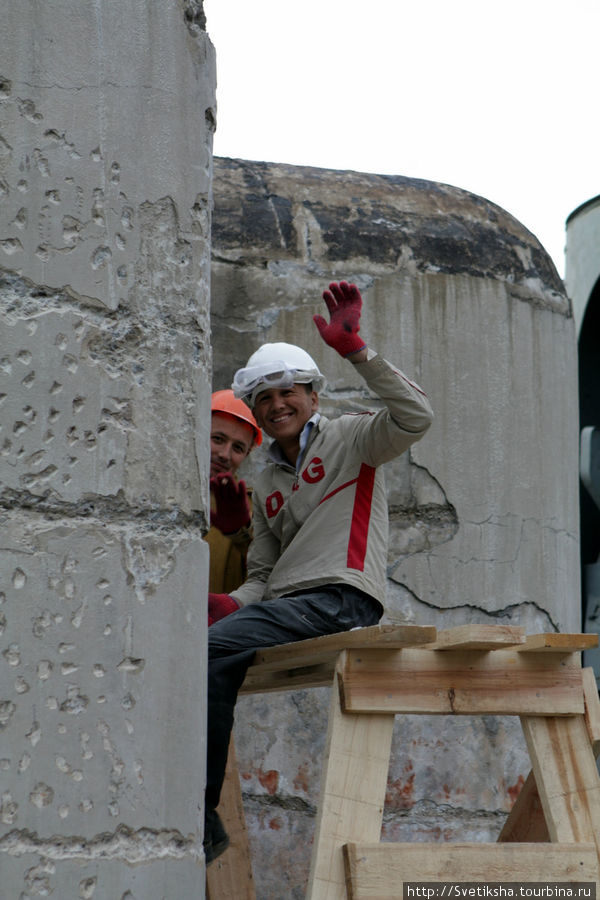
(553, 832)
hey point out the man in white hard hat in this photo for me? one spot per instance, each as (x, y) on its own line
(317, 563)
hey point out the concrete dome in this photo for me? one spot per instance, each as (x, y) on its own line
(264, 210)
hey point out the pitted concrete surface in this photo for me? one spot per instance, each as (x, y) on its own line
(105, 180)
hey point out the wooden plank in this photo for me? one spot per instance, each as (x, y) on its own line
(463, 682)
(285, 661)
(526, 820)
(259, 682)
(554, 642)
(380, 871)
(478, 637)
(566, 776)
(352, 794)
(310, 663)
(592, 708)
(309, 652)
(293, 662)
(230, 875)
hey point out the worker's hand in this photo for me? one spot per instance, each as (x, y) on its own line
(344, 304)
(219, 606)
(232, 510)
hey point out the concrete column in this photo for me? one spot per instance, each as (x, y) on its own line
(106, 120)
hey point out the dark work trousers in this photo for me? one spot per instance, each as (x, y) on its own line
(233, 641)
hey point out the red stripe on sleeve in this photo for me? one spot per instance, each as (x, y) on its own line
(361, 515)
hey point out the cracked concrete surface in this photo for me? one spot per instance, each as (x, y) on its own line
(483, 511)
(124, 844)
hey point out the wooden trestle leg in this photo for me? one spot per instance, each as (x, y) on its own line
(566, 776)
(229, 877)
(353, 785)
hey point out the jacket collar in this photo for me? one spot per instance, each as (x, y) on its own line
(275, 452)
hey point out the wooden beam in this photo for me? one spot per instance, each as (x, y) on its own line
(592, 708)
(526, 820)
(310, 651)
(380, 871)
(566, 776)
(230, 875)
(559, 643)
(259, 682)
(464, 682)
(310, 663)
(478, 637)
(352, 796)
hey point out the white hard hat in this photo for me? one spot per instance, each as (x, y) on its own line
(276, 365)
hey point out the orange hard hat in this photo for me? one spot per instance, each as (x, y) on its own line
(226, 402)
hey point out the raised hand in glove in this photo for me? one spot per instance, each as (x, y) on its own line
(219, 606)
(232, 510)
(344, 304)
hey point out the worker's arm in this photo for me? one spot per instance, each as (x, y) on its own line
(263, 553)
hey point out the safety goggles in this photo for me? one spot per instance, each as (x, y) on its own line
(249, 382)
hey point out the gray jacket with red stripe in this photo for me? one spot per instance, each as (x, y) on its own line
(328, 522)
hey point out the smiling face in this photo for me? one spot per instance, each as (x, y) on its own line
(230, 443)
(283, 413)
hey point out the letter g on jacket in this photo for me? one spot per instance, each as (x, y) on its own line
(314, 471)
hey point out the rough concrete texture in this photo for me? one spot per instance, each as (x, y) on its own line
(483, 511)
(101, 875)
(105, 175)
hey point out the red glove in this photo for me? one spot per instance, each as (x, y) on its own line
(219, 606)
(344, 304)
(231, 498)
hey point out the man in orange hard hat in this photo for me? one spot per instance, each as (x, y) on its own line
(233, 434)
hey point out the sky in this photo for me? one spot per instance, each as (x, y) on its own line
(499, 99)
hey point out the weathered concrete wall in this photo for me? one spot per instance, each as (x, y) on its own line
(107, 112)
(483, 510)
